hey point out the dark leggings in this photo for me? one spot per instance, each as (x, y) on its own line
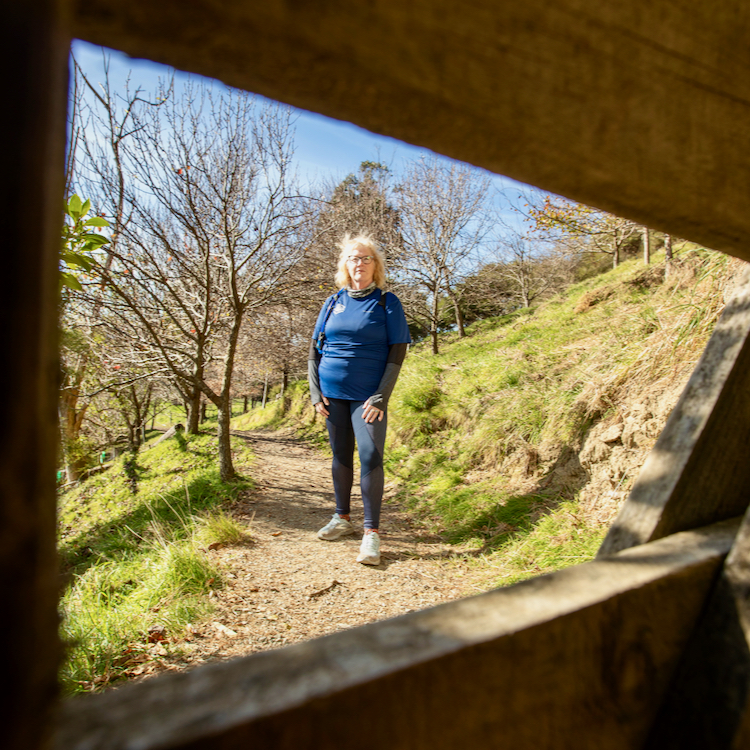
(344, 423)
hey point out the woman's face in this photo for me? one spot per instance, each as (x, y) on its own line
(361, 272)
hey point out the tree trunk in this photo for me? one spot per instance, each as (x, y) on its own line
(191, 395)
(434, 337)
(265, 392)
(140, 407)
(434, 321)
(525, 287)
(71, 420)
(193, 411)
(244, 404)
(457, 312)
(226, 467)
(459, 319)
(204, 405)
(667, 255)
(72, 466)
(224, 404)
(646, 246)
(132, 438)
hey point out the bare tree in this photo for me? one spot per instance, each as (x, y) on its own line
(115, 397)
(212, 234)
(581, 228)
(101, 123)
(531, 271)
(276, 340)
(443, 222)
(487, 293)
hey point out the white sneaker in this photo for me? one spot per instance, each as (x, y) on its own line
(369, 550)
(336, 528)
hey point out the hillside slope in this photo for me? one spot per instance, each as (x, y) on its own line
(522, 440)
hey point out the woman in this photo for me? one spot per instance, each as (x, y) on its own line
(359, 344)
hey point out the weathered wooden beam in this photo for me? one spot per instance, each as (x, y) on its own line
(708, 702)
(699, 471)
(637, 108)
(575, 659)
(32, 133)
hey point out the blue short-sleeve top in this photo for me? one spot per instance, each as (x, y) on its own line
(358, 333)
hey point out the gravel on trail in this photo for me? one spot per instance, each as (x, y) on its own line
(285, 585)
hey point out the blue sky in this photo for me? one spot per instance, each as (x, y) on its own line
(326, 149)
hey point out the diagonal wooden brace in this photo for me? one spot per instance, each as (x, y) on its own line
(708, 703)
(699, 470)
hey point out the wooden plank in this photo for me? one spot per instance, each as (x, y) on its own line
(576, 659)
(737, 574)
(708, 702)
(32, 133)
(637, 108)
(698, 472)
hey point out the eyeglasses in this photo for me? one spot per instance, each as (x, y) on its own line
(357, 259)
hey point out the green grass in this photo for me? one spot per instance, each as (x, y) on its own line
(497, 411)
(557, 540)
(477, 433)
(138, 561)
(293, 409)
(218, 528)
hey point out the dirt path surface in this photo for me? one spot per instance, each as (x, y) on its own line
(288, 586)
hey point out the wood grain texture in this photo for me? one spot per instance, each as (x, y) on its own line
(32, 132)
(698, 472)
(637, 108)
(575, 659)
(708, 702)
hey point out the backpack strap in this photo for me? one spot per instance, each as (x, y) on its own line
(322, 333)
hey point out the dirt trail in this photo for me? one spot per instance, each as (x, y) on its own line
(288, 586)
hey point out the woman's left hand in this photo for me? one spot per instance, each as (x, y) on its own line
(370, 413)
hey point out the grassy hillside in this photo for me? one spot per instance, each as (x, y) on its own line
(497, 441)
(132, 542)
(516, 443)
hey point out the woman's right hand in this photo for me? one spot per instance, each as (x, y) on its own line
(320, 407)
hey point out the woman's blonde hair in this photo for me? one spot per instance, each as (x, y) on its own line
(349, 244)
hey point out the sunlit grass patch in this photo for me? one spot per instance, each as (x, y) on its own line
(110, 610)
(557, 540)
(102, 517)
(520, 393)
(137, 564)
(220, 528)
